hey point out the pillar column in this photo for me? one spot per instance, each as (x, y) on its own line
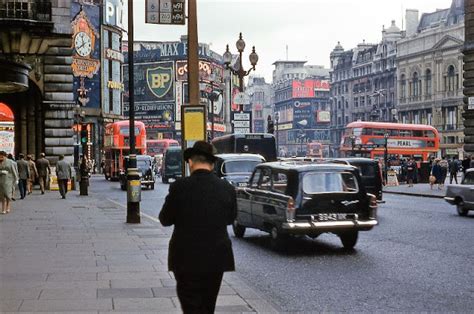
(468, 75)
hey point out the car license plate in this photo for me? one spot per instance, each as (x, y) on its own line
(243, 184)
(332, 217)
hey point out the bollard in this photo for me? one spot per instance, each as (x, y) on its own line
(84, 185)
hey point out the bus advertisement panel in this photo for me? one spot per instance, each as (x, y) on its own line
(117, 145)
(368, 139)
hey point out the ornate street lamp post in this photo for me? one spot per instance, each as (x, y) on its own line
(277, 120)
(240, 72)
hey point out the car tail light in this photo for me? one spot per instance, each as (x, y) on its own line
(290, 210)
(372, 206)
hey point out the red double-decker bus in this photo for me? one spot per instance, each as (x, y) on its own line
(367, 139)
(158, 147)
(117, 145)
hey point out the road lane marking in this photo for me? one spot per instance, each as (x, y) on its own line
(141, 213)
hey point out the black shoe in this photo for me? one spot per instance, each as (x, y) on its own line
(42, 192)
(63, 197)
(13, 199)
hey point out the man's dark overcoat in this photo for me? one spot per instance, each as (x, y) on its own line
(200, 207)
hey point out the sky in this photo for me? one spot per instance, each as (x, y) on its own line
(310, 28)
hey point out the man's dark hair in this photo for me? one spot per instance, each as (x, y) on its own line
(61, 157)
(3, 153)
(21, 156)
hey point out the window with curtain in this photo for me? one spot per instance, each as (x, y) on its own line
(403, 87)
(451, 79)
(416, 85)
(428, 82)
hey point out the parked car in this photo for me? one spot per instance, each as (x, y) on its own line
(172, 162)
(462, 195)
(237, 168)
(304, 198)
(145, 168)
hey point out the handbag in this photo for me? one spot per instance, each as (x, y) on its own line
(432, 179)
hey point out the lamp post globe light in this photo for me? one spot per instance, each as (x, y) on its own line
(240, 72)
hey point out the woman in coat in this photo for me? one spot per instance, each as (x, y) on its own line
(437, 172)
(8, 178)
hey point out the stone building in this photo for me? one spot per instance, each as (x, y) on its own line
(363, 83)
(260, 94)
(301, 100)
(51, 59)
(429, 71)
(36, 80)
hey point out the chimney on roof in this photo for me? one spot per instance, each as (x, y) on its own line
(411, 17)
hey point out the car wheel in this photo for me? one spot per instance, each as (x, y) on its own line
(462, 211)
(239, 230)
(349, 239)
(278, 240)
(164, 179)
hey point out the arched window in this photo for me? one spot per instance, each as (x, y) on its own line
(428, 82)
(403, 87)
(416, 85)
(451, 80)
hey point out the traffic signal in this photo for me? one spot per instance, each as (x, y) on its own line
(270, 127)
(84, 135)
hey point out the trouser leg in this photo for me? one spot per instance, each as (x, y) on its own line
(42, 182)
(22, 187)
(61, 187)
(198, 292)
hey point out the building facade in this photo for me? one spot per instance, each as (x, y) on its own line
(260, 94)
(301, 101)
(430, 75)
(363, 83)
(53, 55)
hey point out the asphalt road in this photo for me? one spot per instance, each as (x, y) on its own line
(418, 259)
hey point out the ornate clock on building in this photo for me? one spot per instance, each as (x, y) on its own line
(83, 44)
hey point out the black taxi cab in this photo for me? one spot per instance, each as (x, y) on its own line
(302, 198)
(237, 168)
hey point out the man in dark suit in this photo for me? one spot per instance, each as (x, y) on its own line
(200, 207)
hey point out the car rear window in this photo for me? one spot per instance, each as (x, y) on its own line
(239, 166)
(327, 182)
(366, 170)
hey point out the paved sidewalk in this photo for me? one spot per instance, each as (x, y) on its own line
(78, 255)
(421, 189)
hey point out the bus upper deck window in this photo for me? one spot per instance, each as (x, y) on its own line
(430, 134)
(405, 133)
(394, 132)
(417, 133)
(380, 132)
(367, 132)
(357, 131)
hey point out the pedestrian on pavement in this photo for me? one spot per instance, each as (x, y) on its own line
(466, 163)
(453, 170)
(23, 174)
(437, 172)
(44, 171)
(10, 156)
(64, 174)
(33, 173)
(444, 164)
(411, 171)
(8, 178)
(200, 207)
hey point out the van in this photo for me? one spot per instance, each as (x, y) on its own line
(370, 173)
(172, 163)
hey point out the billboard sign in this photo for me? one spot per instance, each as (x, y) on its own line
(323, 116)
(307, 88)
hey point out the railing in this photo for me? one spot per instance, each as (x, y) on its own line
(38, 10)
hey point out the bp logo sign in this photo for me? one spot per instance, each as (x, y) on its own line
(160, 80)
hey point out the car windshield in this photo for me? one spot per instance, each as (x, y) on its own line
(327, 182)
(239, 166)
(143, 164)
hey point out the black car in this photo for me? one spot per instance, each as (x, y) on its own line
(145, 168)
(370, 173)
(172, 163)
(303, 198)
(237, 168)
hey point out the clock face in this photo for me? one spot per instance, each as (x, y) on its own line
(83, 44)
